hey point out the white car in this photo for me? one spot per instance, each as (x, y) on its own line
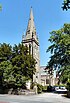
(60, 89)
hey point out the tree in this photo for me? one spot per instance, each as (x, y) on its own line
(23, 64)
(66, 5)
(5, 55)
(16, 66)
(5, 52)
(60, 50)
(5, 73)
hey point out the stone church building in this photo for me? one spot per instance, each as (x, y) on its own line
(31, 40)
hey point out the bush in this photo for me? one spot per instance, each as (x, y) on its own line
(61, 85)
(39, 88)
(44, 88)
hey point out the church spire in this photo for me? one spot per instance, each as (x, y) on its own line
(31, 15)
(31, 26)
(32, 42)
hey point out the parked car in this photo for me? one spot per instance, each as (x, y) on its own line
(60, 89)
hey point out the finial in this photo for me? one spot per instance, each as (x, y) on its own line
(31, 14)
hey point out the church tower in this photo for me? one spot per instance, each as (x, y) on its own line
(31, 40)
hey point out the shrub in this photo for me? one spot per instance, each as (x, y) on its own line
(39, 88)
(44, 88)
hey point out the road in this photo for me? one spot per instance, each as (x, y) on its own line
(40, 98)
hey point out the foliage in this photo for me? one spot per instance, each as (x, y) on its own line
(5, 55)
(0, 7)
(65, 74)
(60, 50)
(5, 72)
(66, 5)
(44, 88)
(39, 88)
(59, 85)
(5, 52)
(23, 64)
(16, 66)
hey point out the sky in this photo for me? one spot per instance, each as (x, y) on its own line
(48, 16)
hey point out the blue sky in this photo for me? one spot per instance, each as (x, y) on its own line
(48, 16)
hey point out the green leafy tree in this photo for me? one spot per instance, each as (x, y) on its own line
(5, 73)
(16, 65)
(23, 65)
(66, 5)
(5, 55)
(60, 50)
(5, 52)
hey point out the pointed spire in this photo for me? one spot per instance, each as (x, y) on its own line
(31, 27)
(31, 14)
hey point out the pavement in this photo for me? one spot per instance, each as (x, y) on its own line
(39, 98)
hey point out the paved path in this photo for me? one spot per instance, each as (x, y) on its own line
(41, 98)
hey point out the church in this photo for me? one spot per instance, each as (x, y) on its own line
(32, 42)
